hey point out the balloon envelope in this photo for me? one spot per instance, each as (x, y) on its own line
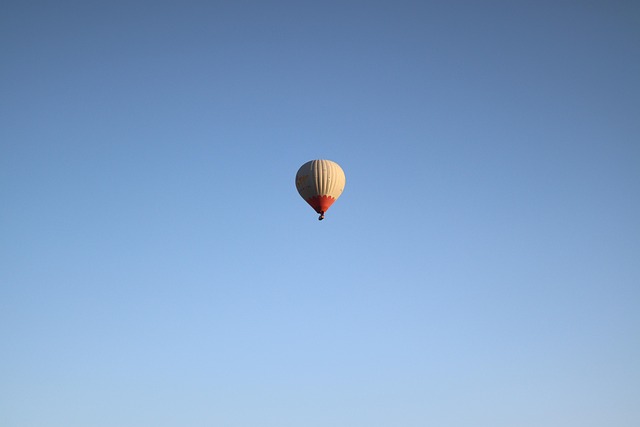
(320, 183)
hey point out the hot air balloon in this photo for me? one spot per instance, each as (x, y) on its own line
(320, 183)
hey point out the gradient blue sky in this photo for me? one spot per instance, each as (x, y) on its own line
(158, 268)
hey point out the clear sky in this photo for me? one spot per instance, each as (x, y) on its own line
(158, 268)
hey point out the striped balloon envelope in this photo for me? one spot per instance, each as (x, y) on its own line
(320, 183)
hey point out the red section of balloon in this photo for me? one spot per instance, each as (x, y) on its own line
(321, 203)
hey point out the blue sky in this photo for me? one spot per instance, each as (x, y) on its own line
(158, 268)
